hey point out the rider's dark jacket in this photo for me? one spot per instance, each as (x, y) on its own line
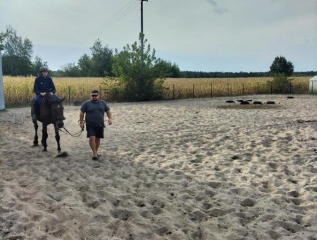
(42, 84)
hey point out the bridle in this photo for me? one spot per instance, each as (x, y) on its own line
(59, 118)
(64, 130)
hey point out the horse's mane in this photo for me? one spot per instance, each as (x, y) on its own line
(46, 107)
(48, 100)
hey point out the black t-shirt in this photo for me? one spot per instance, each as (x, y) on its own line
(95, 112)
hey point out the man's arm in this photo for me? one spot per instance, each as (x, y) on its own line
(81, 119)
(109, 117)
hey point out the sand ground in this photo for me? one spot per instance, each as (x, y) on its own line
(184, 169)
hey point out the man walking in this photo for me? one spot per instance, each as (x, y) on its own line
(94, 110)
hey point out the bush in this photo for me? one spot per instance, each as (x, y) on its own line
(280, 83)
(138, 78)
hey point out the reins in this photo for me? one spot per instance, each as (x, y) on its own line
(73, 135)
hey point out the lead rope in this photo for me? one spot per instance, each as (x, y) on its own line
(73, 135)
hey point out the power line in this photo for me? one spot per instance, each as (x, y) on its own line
(108, 23)
(122, 13)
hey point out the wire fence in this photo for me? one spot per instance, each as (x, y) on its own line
(78, 94)
(176, 92)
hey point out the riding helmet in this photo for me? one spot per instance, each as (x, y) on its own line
(43, 69)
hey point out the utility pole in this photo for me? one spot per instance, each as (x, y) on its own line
(142, 37)
(2, 103)
(142, 24)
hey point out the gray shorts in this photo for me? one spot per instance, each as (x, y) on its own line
(94, 131)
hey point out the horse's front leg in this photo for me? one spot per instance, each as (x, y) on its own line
(57, 138)
(44, 137)
(35, 141)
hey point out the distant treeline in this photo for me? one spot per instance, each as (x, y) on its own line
(193, 74)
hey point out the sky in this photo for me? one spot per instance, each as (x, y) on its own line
(203, 35)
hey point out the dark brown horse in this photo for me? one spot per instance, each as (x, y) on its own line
(51, 112)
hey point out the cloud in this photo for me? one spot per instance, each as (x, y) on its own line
(224, 35)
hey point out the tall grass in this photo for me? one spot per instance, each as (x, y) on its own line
(217, 87)
(19, 90)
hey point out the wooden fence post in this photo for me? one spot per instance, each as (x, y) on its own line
(69, 94)
(193, 90)
(290, 87)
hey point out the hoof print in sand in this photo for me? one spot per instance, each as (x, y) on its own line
(248, 202)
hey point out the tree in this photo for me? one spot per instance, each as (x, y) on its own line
(17, 54)
(138, 79)
(2, 37)
(98, 65)
(84, 66)
(169, 70)
(70, 70)
(281, 65)
(38, 62)
(101, 60)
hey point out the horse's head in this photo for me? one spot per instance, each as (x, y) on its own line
(57, 111)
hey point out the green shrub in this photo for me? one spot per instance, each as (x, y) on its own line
(280, 83)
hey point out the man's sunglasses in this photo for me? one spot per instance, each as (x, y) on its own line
(94, 95)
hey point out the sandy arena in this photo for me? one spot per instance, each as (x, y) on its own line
(183, 169)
